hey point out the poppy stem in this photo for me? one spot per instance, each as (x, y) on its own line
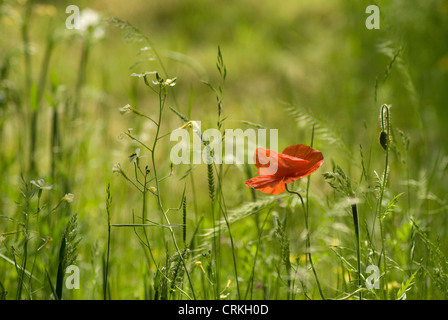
(308, 242)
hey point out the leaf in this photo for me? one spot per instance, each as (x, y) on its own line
(438, 273)
(405, 287)
(60, 273)
(339, 181)
(180, 115)
(187, 173)
(244, 211)
(141, 75)
(67, 252)
(51, 284)
(391, 205)
(3, 292)
(131, 33)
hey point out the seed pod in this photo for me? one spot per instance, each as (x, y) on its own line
(384, 141)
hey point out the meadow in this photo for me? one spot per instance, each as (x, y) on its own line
(92, 207)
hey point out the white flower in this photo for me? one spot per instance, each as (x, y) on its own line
(136, 156)
(90, 20)
(41, 184)
(68, 197)
(170, 82)
(117, 168)
(165, 83)
(126, 109)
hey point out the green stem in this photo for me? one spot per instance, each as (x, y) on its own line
(38, 240)
(108, 203)
(358, 253)
(224, 213)
(81, 74)
(308, 241)
(39, 95)
(215, 246)
(385, 123)
(250, 285)
(159, 200)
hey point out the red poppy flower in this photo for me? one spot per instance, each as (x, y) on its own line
(295, 162)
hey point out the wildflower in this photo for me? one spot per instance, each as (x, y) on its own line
(170, 82)
(126, 109)
(135, 157)
(164, 82)
(117, 168)
(130, 109)
(41, 184)
(90, 21)
(68, 197)
(296, 161)
(199, 264)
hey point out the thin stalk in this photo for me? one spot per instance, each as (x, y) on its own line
(54, 143)
(37, 102)
(38, 239)
(385, 123)
(25, 259)
(27, 62)
(133, 225)
(27, 58)
(215, 246)
(308, 242)
(224, 210)
(26, 46)
(251, 279)
(162, 97)
(81, 74)
(144, 206)
(358, 253)
(108, 203)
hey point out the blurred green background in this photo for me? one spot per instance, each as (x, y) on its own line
(290, 65)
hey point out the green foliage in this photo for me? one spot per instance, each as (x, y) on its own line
(391, 206)
(339, 181)
(292, 67)
(67, 252)
(405, 287)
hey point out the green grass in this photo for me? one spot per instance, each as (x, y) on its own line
(372, 101)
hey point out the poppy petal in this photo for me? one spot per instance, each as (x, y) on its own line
(314, 157)
(277, 169)
(270, 162)
(288, 165)
(264, 159)
(304, 152)
(268, 184)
